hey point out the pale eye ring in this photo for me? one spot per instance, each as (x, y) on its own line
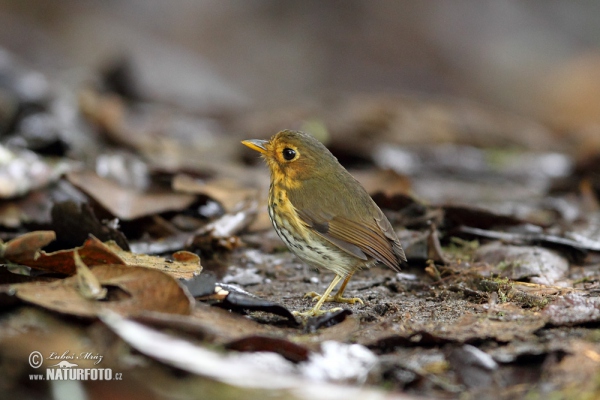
(288, 153)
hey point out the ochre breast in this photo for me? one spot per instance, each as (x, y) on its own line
(283, 214)
(310, 247)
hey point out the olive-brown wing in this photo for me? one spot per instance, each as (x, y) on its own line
(390, 234)
(360, 239)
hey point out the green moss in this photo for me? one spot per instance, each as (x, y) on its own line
(499, 158)
(507, 293)
(593, 335)
(460, 249)
(502, 296)
(508, 265)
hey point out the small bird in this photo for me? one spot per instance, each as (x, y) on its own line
(324, 216)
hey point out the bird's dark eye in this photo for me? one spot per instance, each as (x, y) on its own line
(289, 154)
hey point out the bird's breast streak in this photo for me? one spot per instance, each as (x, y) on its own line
(288, 217)
(311, 248)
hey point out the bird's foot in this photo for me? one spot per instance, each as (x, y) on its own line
(313, 313)
(335, 299)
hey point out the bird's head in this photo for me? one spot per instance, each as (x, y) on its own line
(293, 156)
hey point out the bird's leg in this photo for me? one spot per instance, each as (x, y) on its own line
(316, 310)
(337, 298)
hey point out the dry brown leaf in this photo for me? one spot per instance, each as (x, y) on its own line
(183, 267)
(125, 203)
(141, 289)
(186, 257)
(226, 191)
(27, 245)
(93, 252)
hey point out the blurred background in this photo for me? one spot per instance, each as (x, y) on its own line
(537, 59)
(468, 121)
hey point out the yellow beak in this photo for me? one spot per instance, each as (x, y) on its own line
(256, 144)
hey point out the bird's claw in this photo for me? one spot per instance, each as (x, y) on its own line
(349, 300)
(314, 295)
(313, 312)
(334, 299)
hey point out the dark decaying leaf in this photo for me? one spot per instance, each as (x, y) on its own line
(131, 290)
(289, 350)
(73, 223)
(326, 320)
(200, 285)
(242, 303)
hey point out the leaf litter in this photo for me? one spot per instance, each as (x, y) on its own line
(182, 268)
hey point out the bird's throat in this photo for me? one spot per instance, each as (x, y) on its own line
(285, 181)
(280, 204)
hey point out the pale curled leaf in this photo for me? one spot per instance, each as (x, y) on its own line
(184, 266)
(88, 285)
(232, 223)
